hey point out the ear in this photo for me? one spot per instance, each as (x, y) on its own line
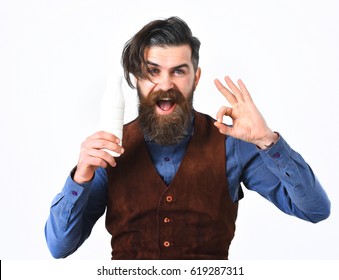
(197, 76)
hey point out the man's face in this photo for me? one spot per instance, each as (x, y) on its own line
(165, 108)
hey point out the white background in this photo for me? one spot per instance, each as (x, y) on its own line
(54, 60)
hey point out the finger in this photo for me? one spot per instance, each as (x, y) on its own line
(90, 162)
(102, 144)
(235, 90)
(244, 91)
(105, 136)
(224, 129)
(224, 111)
(101, 155)
(229, 95)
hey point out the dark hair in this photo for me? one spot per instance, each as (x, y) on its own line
(168, 32)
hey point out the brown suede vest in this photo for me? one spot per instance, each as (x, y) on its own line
(192, 218)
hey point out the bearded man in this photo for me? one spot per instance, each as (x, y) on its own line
(174, 191)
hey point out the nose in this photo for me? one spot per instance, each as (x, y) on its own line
(165, 82)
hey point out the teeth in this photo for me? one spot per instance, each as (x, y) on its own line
(166, 99)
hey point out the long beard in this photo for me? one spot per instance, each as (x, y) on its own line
(165, 129)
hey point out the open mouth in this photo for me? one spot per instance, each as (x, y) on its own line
(165, 105)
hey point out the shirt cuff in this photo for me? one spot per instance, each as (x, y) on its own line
(74, 190)
(278, 154)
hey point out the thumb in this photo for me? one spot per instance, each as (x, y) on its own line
(224, 129)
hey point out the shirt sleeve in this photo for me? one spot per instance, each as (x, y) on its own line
(282, 176)
(73, 213)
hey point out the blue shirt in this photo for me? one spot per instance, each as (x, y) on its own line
(279, 174)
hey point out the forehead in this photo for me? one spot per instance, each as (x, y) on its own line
(169, 56)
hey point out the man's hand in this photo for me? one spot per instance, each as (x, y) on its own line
(248, 123)
(93, 156)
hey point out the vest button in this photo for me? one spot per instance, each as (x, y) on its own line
(167, 220)
(169, 198)
(167, 244)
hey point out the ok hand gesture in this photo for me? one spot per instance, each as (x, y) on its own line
(248, 123)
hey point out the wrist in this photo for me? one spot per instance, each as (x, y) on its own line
(268, 141)
(81, 179)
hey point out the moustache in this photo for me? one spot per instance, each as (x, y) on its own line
(171, 95)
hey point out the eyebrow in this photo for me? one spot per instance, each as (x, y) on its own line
(172, 68)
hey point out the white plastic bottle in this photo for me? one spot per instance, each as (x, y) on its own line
(112, 109)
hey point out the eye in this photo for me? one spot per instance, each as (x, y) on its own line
(153, 71)
(179, 71)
